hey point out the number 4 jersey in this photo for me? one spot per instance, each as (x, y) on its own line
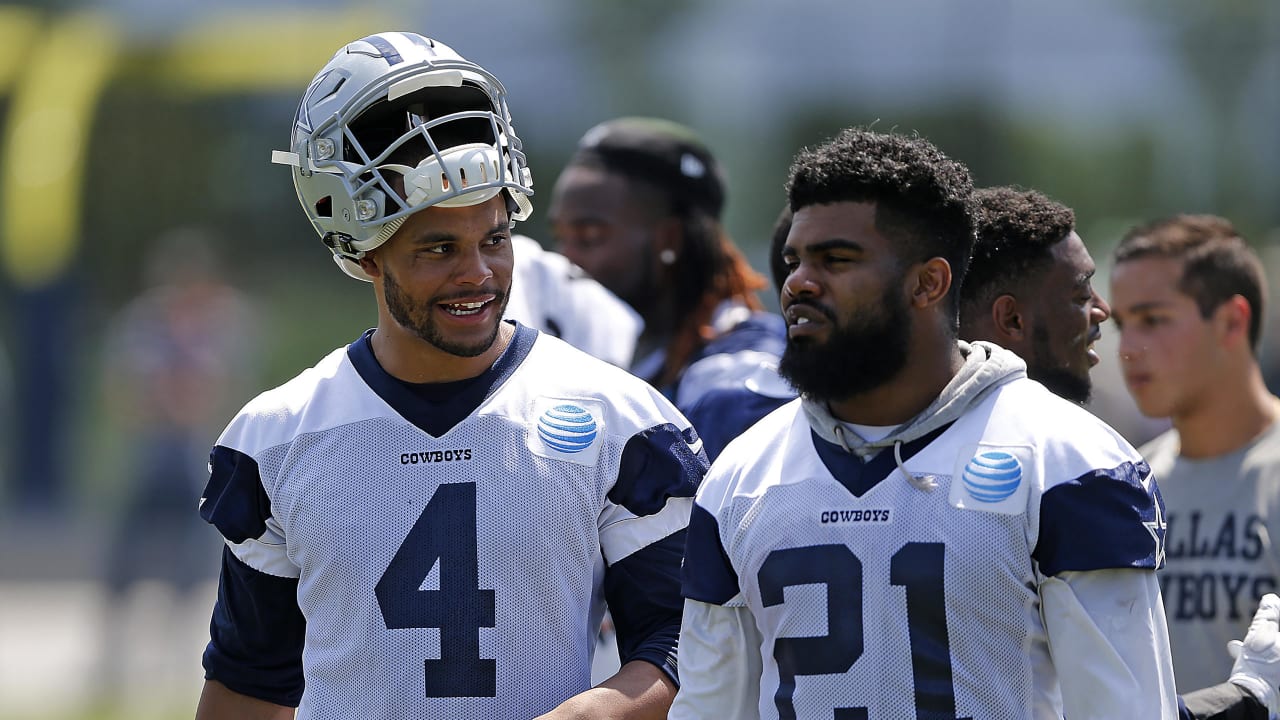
(947, 571)
(445, 551)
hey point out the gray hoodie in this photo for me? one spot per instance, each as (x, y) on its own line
(986, 367)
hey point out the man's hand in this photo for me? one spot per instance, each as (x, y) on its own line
(1257, 666)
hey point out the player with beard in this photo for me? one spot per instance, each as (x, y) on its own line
(430, 522)
(925, 532)
(1029, 289)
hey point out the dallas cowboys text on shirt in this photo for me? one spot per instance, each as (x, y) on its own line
(434, 456)
(1238, 541)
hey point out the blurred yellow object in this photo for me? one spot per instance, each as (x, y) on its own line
(44, 144)
(18, 28)
(269, 50)
(57, 72)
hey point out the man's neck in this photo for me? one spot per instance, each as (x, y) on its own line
(1232, 417)
(906, 394)
(409, 358)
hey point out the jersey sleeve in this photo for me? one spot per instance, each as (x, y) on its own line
(720, 664)
(1105, 518)
(642, 537)
(256, 632)
(1110, 644)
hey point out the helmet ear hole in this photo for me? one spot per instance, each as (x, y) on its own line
(324, 207)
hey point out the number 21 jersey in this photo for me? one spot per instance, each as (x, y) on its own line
(880, 597)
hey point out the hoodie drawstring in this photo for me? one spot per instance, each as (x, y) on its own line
(840, 436)
(926, 483)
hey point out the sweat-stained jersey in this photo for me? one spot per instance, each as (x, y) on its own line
(445, 551)
(877, 599)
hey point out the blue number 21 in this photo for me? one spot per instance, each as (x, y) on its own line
(444, 532)
(917, 567)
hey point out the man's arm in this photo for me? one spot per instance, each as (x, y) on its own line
(720, 664)
(218, 702)
(1109, 643)
(638, 691)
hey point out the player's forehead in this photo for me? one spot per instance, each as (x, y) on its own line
(584, 191)
(1072, 255)
(1071, 267)
(821, 227)
(455, 224)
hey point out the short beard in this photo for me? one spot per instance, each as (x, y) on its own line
(1059, 380)
(417, 319)
(857, 357)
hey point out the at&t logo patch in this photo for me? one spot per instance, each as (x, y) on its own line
(568, 429)
(993, 479)
(992, 476)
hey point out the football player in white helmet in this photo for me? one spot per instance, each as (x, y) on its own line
(431, 521)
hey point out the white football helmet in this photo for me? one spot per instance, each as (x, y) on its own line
(394, 123)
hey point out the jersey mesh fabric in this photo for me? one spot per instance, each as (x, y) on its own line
(985, 594)
(941, 569)
(378, 514)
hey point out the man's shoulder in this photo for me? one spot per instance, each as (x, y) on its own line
(276, 415)
(754, 461)
(556, 369)
(1068, 436)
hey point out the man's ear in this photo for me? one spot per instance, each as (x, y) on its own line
(930, 282)
(1006, 318)
(369, 264)
(1233, 318)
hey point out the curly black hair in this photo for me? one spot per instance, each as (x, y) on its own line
(923, 198)
(1017, 230)
(1217, 263)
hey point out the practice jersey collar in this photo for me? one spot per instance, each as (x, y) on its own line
(437, 407)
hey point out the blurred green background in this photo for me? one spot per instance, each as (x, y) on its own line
(124, 121)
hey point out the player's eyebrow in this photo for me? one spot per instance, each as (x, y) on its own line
(431, 238)
(823, 246)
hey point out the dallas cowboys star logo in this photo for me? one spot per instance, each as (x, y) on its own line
(1157, 526)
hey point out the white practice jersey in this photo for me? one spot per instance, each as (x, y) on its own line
(871, 598)
(447, 549)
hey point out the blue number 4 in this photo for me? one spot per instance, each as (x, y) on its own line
(445, 532)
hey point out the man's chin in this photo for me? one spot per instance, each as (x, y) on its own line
(1064, 383)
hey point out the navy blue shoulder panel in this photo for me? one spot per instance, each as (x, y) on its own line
(1103, 519)
(723, 414)
(762, 331)
(437, 407)
(234, 500)
(858, 476)
(643, 593)
(657, 464)
(256, 634)
(707, 575)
